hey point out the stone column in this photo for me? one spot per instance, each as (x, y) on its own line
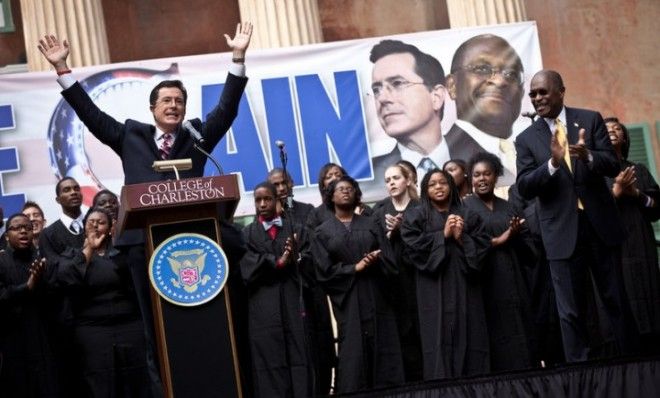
(79, 21)
(282, 23)
(485, 12)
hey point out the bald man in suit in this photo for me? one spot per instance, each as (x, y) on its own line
(562, 160)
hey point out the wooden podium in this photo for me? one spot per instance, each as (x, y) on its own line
(196, 345)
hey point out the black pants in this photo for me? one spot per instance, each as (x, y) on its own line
(568, 278)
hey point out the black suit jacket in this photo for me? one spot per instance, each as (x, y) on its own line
(558, 193)
(461, 144)
(134, 142)
(382, 162)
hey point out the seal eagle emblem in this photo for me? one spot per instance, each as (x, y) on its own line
(188, 269)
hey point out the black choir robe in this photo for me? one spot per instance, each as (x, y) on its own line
(641, 275)
(404, 293)
(451, 311)
(108, 330)
(506, 292)
(369, 353)
(279, 329)
(28, 362)
(53, 241)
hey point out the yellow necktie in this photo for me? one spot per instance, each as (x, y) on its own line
(509, 151)
(563, 141)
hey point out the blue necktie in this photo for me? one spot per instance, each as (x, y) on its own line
(427, 165)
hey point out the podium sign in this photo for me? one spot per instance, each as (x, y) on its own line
(196, 348)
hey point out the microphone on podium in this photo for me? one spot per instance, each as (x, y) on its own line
(194, 133)
(198, 140)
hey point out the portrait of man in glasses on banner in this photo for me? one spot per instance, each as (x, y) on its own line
(486, 82)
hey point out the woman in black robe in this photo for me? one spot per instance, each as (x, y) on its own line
(27, 362)
(388, 214)
(459, 172)
(445, 243)
(278, 301)
(108, 329)
(506, 293)
(637, 196)
(353, 266)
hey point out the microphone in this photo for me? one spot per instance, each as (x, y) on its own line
(194, 133)
(284, 159)
(530, 115)
(198, 140)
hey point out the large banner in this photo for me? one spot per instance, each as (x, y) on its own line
(326, 102)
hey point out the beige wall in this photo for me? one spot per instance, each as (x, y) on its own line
(350, 19)
(607, 52)
(147, 29)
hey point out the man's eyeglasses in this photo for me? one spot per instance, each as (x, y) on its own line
(394, 85)
(488, 71)
(26, 227)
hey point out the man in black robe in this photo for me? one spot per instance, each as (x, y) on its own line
(297, 212)
(278, 271)
(28, 365)
(64, 233)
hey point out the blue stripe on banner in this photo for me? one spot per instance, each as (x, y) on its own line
(9, 163)
(6, 117)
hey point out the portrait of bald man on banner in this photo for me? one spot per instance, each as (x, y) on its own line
(408, 88)
(486, 82)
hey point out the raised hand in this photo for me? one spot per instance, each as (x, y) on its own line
(241, 40)
(55, 52)
(580, 150)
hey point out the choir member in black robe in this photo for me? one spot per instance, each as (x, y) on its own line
(63, 234)
(28, 367)
(353, 266)
(388, 214)
(445, 243)
(283, 183)
(108, 329)
(637, 196)
(505, 289)
(277, 276)
(459, 172)
(330, 172)
(320, 319)
(36, 215)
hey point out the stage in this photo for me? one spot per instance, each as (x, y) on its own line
(633, 377)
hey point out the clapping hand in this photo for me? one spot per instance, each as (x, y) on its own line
(288, 249)
(37, 269)
(580, 150)
(454, 227)
(367, 260)
(625, 183)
